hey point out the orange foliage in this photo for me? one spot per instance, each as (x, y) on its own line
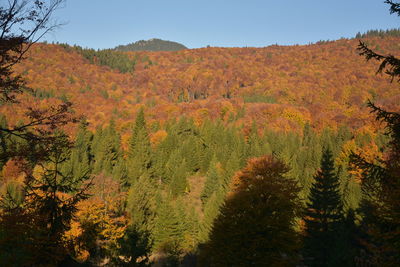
(324, 83)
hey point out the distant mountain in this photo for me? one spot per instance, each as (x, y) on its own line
(151, 45)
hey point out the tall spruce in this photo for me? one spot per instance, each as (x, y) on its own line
(139, 157)
(323, 216)
(212, 182)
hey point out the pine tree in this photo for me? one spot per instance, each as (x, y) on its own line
(324, 215)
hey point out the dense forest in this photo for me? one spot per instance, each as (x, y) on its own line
(274, 156)
(151, 45)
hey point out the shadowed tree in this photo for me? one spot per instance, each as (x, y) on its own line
(324, 217)
(256, 224)
(35, 227)
(381, 179)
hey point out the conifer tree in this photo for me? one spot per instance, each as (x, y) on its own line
(254, 147)
(142, 205)
(231, 167)
(140, 155)
(106, 149)
(80, 160)
(381, 182)
(324, 216)
(212, 183)
(179, 184)
(168, 232)
(211, 211)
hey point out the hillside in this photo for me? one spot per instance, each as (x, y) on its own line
(172, 135)
(280, 86)
(151, 45)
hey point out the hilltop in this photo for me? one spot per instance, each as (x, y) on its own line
(151, 45)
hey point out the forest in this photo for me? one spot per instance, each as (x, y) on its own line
(274, 156)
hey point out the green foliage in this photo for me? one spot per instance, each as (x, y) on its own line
(151, 45)
(43, 94)
(212, 183)
(257, 220)
(80, 161)
(324, 217)
(140, 160)
(379, 33)
(179, 184)
(211, 211)
(142, 205)
(106, 149)
(107, 57)
(168, 231)
(135, 249)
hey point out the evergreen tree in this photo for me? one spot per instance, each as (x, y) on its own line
(140, 155)
(211, 211)
(381, 182)
(254, 147)
(80, 160)
(212, 183)
(231, 167)
(179, 184)
(106, 149)
(168, 232)
(142, 205)
(324, 216)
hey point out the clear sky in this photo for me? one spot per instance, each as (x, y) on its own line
(198, 23)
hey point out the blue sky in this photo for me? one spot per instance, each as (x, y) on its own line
(227, 23)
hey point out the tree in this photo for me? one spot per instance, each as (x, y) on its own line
(381, 180)
(212, 182)
(258, 218)
(22, 23)
(140, 157)
(141, 205)
(323, 216)
(50, 197)
(49, 203)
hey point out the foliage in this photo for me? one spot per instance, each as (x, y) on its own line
(324, 218)
(381, 183)
(151, 45)
(258, 218)
(107, 57)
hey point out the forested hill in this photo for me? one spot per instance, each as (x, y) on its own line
(151, 45)
(174, 148)
(283, 87)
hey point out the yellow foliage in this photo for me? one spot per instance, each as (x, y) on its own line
(158, 137)
(294, 115)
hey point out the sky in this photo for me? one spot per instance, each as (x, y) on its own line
(103, 24)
